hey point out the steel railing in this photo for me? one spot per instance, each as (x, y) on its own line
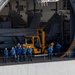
(39, 58)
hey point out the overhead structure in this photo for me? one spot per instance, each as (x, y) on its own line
(3, 3)
(45, 2)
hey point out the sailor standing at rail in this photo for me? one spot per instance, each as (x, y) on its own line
(29, 52)
(24, 51)
(13, 54)
(19, 53)
(58, 48)
(5, 55)
(50, 50)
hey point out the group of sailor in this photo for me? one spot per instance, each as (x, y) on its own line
(18, 53)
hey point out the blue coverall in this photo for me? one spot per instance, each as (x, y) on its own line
(5, 55)
(50, 50)
(19, 53)
(29, 53)
(13, 55)
(58, 47)
(24, 51)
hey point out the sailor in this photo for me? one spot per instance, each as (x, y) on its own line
(24, 51)
(19, 53)
(5, 55)
(58, 47)
(13, 54)
(29, 52)
(50, 50)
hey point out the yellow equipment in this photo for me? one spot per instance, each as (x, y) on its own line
(40, 37)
